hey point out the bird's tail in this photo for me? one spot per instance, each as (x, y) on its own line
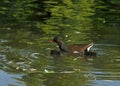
(90, 46)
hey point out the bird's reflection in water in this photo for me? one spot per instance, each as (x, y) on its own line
(58, 55)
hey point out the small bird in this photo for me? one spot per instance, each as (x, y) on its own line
(82, 49)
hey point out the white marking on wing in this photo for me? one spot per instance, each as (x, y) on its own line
(76, 52)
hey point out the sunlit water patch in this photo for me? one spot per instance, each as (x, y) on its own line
(7, 79)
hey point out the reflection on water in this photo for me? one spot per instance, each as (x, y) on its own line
(10, 79)
(31, 56)
(25, 58)
(38, 67)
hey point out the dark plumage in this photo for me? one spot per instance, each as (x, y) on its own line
(83, 49)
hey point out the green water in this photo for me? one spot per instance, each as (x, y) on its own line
(25, 58)
(26, 61)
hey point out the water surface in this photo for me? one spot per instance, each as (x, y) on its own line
(25, 58)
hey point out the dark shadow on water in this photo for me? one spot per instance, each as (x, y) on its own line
(59, 55)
